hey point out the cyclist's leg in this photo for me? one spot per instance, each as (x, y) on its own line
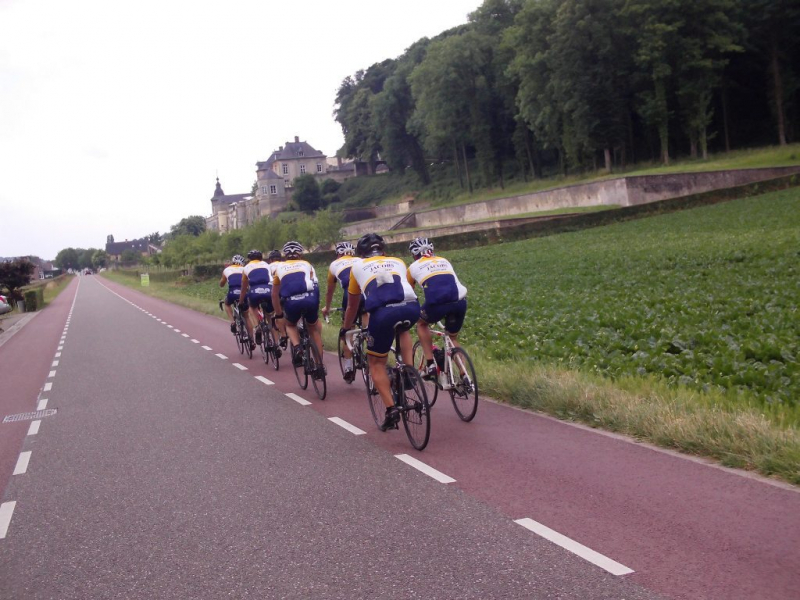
(229, 300)
(312, 318)
(428, 314)
(379, 340)
(454, 320)
(409, 314)
(346, 352)
(292, 315)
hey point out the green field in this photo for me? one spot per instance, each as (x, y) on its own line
(705, 298)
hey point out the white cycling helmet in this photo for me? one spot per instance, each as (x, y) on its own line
(238, 259)
(292, 249)
(421, 247)
(345, 249)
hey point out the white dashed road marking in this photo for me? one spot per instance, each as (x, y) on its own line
(264, 380)
(345, 425)
(184, 334)
(298, 399)
(51, 374)
(48, 386)
(222, 356)
(240, 367)
(22, 463)
(205, 347)
(421, 466)
(585, 553)
(55, 363)
(42, 404)
(6, 510)
(58, 354)
(34, 428)
(194, 341)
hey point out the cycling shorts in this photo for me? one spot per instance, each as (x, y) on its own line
(303, 305)
(384, 320)
(264, 300)
(453, 314)
(233, 298)
(345, 299)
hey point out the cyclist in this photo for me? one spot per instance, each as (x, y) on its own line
(339, 271)
(232, 277)
(391, 304)
(445, 297)
(293, 290)
(257, 289)
(273, 258)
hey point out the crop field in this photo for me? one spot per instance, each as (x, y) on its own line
(704, 298)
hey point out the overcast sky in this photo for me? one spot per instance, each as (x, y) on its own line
(116, 116)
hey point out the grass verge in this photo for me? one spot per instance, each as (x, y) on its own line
(693, 422)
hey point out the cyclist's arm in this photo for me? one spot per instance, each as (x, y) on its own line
(245, 285)
(410, 278)
(352, 303)
(332, 281)
(223, 280)
(276, 296)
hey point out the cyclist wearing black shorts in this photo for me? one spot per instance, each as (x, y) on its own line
(392, 305)
(445, 297)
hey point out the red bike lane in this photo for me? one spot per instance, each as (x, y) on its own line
(25, 361)
(688, 530)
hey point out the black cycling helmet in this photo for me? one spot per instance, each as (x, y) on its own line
(293, 249)
(421, 247)
(255, 255)
(238, 259)
(345, 249)
(370, 244)
(273, 256)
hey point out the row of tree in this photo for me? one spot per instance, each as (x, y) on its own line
(577, 83)
(81, 258)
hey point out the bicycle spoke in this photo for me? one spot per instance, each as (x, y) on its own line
(416, 415)
(464, 393)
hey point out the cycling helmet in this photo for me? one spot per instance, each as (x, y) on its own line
(421, 247)
(255, 255)
(345, 249)
(292, 249)
(273, 256)
(238, 259)
(370, 244)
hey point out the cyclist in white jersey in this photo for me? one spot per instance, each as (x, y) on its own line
(232, 277)
(257, 289)
(392, 305)
(339, 275)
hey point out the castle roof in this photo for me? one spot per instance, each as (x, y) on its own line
(292, 150)
(223, 198)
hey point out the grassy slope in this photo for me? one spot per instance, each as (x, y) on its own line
(582, 326)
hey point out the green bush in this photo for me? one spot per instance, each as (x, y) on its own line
(34, 299)
(200, 272)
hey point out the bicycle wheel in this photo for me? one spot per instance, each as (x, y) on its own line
(274, 349)
(247, 347)
(299, 371)
(376, 406)
(416, 411)
(316, 371)
(241, 335)
(263, 347)
(431, 387)
(464, 393)
(340, 351)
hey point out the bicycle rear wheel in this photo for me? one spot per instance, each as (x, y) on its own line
(416, 411)
(464, 392)
(376, 406)
(241, 335)
(274, 349)
(316, 370)
(299, 371)
(431, 388)
(263, 347)
(340, 351)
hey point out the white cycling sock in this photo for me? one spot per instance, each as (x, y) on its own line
(348, 364)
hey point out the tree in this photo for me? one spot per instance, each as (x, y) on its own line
(85, 258)
(306, 195)
(14, 275)
(99, 259)
(130, 256)
(67, 258)
(194, 225)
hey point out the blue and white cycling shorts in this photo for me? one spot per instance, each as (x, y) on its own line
(384, 320)
(302, 305)
(233, 298)
(453, 314)
(257, 299)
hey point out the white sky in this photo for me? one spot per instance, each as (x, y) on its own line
(115, 116)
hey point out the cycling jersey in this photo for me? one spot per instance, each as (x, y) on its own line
(296, 278)
(233, 274)
(438, 280)
(340, 270)
(259, 277)
(382, 280)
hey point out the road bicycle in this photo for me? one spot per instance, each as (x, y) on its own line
(456, 375)
(241, 337)
(408, 393)
(270, 350)
(311, 366)
(359, 351)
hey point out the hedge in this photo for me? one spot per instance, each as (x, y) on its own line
(34, 299)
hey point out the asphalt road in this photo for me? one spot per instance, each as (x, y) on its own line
(169, 472)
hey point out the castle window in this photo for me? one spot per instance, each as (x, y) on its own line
(285, 169)
(302, 169)
(273, 189)
(263, 189)
(319, 168)
(301, 153)
(286, 183)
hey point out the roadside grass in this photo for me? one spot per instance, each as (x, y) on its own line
(55, 286)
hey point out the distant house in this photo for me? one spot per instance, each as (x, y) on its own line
(42, 269)
(142, 246)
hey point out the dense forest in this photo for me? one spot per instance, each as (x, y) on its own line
(577, 85)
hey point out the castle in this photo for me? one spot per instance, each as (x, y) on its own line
(273, 189)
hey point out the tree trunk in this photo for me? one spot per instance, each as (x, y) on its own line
(607, 154)
(528, 151)
(704, 143)
(537, 157)
(466, 167)
(725, 117)
(777, 90)
(693, 147)
(663, 125)
(458, 165)
(630, 141)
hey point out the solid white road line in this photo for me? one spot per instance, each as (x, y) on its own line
(22, 463)
(585, 553)
(345, 425)
(6, 510)
(298, 399)
(34, 428)
(194, 341)
(264, 380)
(206, 347)
(222, 356)
(51, 374)
(421, 466)
(240, 367)
(42, 404)
(48, 386)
